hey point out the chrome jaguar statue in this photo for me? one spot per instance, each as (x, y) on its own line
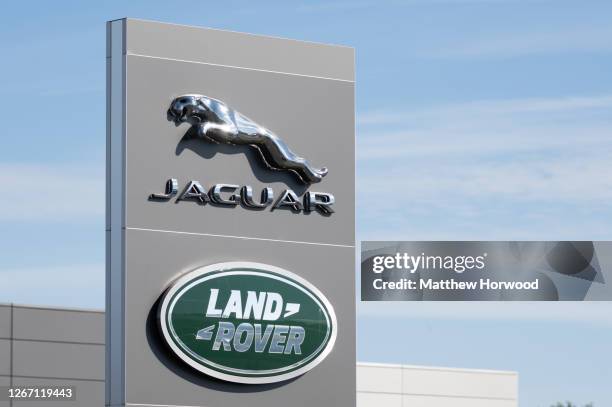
(217, 122)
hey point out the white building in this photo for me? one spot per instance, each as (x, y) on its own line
(419, 386)
(65, 347)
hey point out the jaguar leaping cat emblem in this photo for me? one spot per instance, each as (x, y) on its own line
(217, 122)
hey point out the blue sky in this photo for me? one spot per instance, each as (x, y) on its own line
(480, 119)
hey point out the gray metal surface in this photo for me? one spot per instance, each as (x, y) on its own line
(315, 117)
(5, 357)
(58, 325)
(115, 204)
(45, 350)
(239, 49)
(169, 382)
(61, 360)
(5, 321)
(5, 381)
(304, 92)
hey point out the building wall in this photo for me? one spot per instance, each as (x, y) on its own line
(58, 347)
(53, 347)
(415, 386)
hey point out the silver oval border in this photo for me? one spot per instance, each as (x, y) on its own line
(228, 266)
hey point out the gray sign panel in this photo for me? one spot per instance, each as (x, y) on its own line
(183, 175)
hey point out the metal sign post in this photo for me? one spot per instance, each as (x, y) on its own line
(230, 219)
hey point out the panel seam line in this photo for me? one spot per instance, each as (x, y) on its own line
(238, 237)
(238, 67)
(58, 341)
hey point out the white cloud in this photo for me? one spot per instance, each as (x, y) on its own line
(483, 108)
(471, 168)
(47, 192)
(521, 43)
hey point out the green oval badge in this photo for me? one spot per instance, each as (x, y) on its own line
(247, 322)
